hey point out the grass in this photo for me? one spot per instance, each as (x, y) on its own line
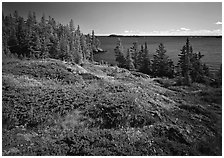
(51, 107)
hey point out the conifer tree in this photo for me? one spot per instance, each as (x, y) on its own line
(206, 70)
(78, 49)
(5, 47)
(162, 65)
(34, 45)
(197, 73)
(71, 26)
(30, 38)
(95, 42)
(30, 21)
(54, 50)
(44, 48)
(129, 60)
(93, 46)
(192, 69)
(139, 58)
(135, 54)
(16, 16)
(13, 43)
(23, 38)
(63, 45)
(89, 50)
(84, 47)
(34, 18)
(145, 64)
(119, 54)
(42, 27)
(184, 62)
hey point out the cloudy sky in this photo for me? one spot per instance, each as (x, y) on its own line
(131, 18)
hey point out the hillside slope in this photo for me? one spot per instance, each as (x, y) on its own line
(50, 107)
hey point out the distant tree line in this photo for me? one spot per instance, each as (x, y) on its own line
(189, 68)
(46, 38)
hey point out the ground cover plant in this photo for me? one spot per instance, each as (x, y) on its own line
(51, 107)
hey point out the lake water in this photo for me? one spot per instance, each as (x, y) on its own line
(211, 47)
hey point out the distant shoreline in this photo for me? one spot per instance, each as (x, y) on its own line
(193, 36)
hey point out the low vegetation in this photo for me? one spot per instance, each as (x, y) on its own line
(51, 107)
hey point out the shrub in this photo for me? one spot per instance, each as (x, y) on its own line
(33, 106)
(49, 69)
(165, 82)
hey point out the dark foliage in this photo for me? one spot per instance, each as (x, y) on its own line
(120, 58)
(162, 66)
(28, 38)
(191, 67)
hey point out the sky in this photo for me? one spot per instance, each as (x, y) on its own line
(130, 18)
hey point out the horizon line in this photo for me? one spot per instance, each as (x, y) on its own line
(151, 35)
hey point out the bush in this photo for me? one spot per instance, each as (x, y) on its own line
(107, 115)
(33, 106)
(117, 110)
(165, 82)
(104, 142)
(48, 69)
(212, 96)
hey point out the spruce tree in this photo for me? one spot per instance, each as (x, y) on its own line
(88, 48)
(119, 54)
(129, 60)
(95, 42)
(192, 69)
(184, 62)
(23, 38)
(78, 49)
(135, 51)
(30, 21)
(16, 16)
(162, 65)
(144, 61)
(93, 46)
(62, 49)
(84, 47)
(55, 49)
(71, 26)
(71, 43)
(44, 48)
(5, 47)
(34, 18)
(35, 45)
(30, 38)
(197, 72)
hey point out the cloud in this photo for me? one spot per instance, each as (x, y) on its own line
(134, 32)
(218, 23)
(184, 29)
(176, 32)
(126, 31)
(129, 31)
(182, 32)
